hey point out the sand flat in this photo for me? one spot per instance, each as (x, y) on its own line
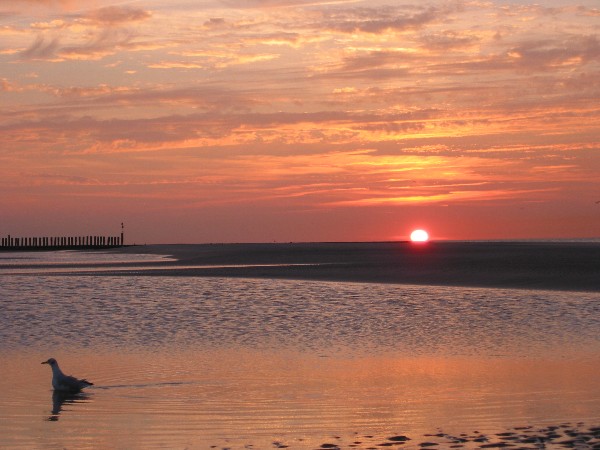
(529, 265)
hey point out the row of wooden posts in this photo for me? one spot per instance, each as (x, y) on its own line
(61, 242)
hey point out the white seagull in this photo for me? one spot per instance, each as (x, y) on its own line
(65, 383)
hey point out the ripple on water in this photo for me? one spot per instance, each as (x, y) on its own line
(193, 361)
(315, 316)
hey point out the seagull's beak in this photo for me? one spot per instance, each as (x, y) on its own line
(45, 362)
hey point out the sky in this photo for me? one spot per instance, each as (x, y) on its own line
(197, 121)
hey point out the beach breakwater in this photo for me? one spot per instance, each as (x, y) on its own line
(10, 243)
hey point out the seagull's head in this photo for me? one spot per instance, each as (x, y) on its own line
(51, 361)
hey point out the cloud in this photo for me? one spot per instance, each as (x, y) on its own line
(213, 59)
(215, 22)
(384, 19)
(108, 41)
(43, 2)
(447, 40)
(372, 59)
(5, 86)
(105, 30)
(242, 127)
(56, 24)
(450, 196)
(42, 49)
(540, 55)
(392, 127)
(177, 65)
(63, 3)
(276, 3)
(117, 15)
(592, 12)
(283, 38)
(327, 104)
(60, 179)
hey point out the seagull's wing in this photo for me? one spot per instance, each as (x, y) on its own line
(72, 383)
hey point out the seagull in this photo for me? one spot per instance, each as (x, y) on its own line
(65, 383)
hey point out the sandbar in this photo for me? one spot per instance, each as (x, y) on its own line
(527, 265)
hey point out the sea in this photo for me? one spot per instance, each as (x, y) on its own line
(242, 363)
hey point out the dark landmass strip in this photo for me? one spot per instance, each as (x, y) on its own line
(544, 265)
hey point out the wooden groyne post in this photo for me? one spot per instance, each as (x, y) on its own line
(10, 243)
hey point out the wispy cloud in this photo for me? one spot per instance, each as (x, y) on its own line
(105, 32)
(116, 15)
(376, 20)
(42, 49)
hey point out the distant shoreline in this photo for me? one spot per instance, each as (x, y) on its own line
(517, 264)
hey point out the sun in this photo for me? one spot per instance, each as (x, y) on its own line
(419, 236)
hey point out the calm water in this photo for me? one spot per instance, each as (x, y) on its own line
(182, 362)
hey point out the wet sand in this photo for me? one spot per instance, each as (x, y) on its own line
(565, 435)
(529, 265)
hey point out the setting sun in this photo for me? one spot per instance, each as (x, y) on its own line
(419, 236)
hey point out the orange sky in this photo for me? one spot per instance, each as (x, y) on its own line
(300, 120)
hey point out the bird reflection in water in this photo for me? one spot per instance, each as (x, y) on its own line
(61, 398)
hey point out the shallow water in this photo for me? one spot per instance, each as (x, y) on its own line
(67, 257)
(196, 362)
